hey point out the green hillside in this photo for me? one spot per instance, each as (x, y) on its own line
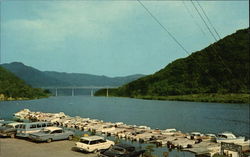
(13, 88)
(220, 69)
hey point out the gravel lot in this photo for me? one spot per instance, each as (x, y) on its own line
(22, 148)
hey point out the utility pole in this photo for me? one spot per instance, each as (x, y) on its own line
(56, 91)
(92, 92)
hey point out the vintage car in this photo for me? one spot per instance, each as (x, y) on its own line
(49, 134)
(122, 150)
(9, 129)
(93, 144)
(28, 128)
(3, 122)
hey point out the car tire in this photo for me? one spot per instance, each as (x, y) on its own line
(70, 137)
(49, 140)
(12, 135)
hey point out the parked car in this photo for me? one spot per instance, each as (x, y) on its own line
(26, 128)
(122, 150)
(49, 134)
(93, 144)
(9, 129)
(3, 122)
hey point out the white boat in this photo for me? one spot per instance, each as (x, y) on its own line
(21, 114)
(169, 132)
(229, 137)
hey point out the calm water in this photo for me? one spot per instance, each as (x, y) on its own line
(184, 116)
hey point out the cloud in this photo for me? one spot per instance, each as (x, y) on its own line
(63, 20)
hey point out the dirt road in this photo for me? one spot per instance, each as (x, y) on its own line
(22, 148)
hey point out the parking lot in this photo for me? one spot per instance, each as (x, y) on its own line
(11, 147)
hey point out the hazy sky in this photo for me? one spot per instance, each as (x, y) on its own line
(113, 38)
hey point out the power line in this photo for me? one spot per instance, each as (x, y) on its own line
(189, 12)
(203, 20)
(216, 54)
(209, 21)
(164, 28)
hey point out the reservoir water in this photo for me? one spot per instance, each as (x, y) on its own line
(184, 116)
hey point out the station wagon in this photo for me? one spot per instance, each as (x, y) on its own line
(9, 129)
(26, 128)
(93, 144)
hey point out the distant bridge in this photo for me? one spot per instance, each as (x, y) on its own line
(73, 88)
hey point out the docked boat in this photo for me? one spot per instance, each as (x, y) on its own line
(169, 131)
(229, 137)
(21, 115)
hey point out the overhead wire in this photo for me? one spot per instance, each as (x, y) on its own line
(216, 54)
(191, 15)
(204, 21)
(172, 36)
(209, 21)
(163, 27)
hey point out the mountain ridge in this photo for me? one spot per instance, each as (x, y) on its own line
(37, 78)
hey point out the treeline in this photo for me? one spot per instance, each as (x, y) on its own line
(222, 67)
(13, 88)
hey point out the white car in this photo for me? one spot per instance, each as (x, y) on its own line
(93, 144)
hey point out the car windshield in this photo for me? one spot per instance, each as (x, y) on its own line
(118, 150)
(45, 131)
(9, 126)
(222, 136)
(84, 141)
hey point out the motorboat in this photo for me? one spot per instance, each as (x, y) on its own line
(228, 137)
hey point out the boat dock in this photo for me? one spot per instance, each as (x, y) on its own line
(195, 142)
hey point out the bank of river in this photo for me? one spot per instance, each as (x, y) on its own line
(241, 98)
(219, 98)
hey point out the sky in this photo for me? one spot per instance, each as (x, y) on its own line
(112, 38)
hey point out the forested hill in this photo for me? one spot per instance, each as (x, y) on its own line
(222, 67)
(11, 88)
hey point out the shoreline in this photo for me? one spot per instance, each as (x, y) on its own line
(4, 98)
(211, 98)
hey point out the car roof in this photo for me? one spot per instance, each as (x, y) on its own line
(52, 128)
(35, 123)
(123, 145)
(14, 123)
(227, 134)
(195, 133)
(6, 122)
(91, 138)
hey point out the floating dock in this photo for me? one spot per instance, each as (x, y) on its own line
(200, 145)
